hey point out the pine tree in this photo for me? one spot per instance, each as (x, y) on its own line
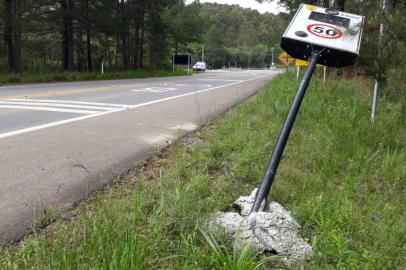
(12, 34)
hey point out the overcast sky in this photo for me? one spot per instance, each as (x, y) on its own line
(262, 8)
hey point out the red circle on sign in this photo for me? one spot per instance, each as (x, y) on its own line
(321, 27)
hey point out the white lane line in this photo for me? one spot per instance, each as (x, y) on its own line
(70, 102)
(206, 85)
(35, 108)
(220, 80)
(58, 123)
(154, 89)
(57, 105)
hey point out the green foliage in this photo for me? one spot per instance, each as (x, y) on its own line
(124, 34)
(239, 37)
(136, 33)
(341, 176)
(244, 259)
(184, 23)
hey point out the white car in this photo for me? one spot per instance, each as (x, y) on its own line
(199, 66)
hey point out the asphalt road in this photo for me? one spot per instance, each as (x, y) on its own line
(61, 141)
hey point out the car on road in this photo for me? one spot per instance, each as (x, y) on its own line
(199, 66)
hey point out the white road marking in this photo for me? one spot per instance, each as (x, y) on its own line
(58, 123)
(70, 102)
(154, 89)
(37, 108)
(31, 104)
(220, 80)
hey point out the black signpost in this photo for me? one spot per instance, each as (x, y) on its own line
(273, 163)
(320, 36)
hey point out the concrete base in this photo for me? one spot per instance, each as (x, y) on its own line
(273, 231)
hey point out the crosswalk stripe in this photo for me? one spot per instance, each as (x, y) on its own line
(57, 105)
(37, 108)
(154, 89)
(70, 102)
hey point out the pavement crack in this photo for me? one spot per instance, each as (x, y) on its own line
(81, 166)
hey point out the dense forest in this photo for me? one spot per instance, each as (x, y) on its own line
(49, 35)
(78, 35)
(240, 37)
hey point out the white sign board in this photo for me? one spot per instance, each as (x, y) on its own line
(339, 33)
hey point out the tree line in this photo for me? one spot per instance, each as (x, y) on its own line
(44, 35)
(234, 36)
(78, 35)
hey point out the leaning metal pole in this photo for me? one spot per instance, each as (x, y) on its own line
(272, 167)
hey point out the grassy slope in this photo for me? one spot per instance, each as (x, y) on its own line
(342, 177)
(85, 76)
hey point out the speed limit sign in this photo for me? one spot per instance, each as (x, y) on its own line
(325, 31)
(316, 28)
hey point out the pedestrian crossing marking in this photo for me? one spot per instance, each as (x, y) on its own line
(63, 106)
(155, 89)
(71, 102)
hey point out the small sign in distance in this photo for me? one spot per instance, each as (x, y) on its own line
(285, 59)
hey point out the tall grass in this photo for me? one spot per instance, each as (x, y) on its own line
(222, 258)
(341, 176)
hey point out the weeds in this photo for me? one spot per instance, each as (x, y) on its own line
(239, 259)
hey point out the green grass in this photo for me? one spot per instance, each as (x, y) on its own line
(342, 177)
(85, 76)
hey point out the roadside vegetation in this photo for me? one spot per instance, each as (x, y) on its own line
(57, 40)
(342, 177)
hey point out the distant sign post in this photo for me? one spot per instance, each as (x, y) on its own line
(302, 63)
(285, 59)
(181, 59)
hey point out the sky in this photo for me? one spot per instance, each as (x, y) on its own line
(272, 7)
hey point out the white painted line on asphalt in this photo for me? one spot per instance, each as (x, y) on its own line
(58, 123)
(70, 102)
(220, 80)
(98, 108)
(49, 109)
(188, 94)
(154, 89)
(53, 124)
